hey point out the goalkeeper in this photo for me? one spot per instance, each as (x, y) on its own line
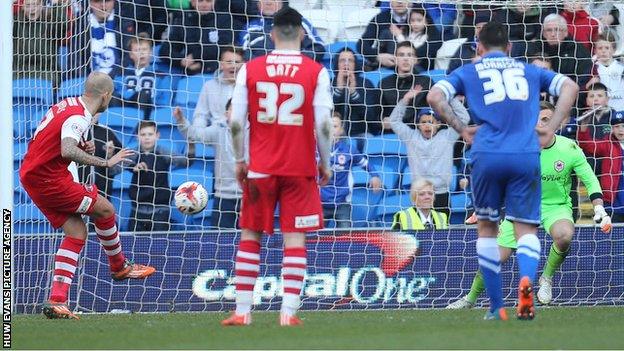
(558, 161)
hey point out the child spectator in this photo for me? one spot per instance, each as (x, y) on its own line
(216, 92)
(610, 151)
(195, 36)
(429, 149)
(228, 194)
(149, 190)
(421, 215)
(597, 96)
(336, 195)
(136, 85)
(419, 31)
(395, 86)
(610, 71)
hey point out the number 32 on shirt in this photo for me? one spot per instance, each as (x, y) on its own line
(284, 112)
(509, 83)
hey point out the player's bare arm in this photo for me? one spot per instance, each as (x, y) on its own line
(71, 151)
(439, 103)
(567, 98)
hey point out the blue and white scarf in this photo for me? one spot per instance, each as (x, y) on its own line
(104, 47)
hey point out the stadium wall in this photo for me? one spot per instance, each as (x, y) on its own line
(347, 270)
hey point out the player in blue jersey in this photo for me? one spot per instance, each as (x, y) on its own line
(504, 95)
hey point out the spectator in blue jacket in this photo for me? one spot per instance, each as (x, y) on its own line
(256, 39)
(195, 36)
(135, 86)
(336, 195)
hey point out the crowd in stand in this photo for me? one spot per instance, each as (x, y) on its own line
(147, 45)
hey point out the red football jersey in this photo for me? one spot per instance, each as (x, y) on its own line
(281, 89)
(43, 161)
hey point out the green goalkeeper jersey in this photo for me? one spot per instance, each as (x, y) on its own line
(558, 162)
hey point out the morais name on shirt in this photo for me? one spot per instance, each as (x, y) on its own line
(498, 63)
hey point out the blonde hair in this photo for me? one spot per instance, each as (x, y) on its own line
(417, 185)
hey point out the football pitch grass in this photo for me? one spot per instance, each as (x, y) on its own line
(553, 328)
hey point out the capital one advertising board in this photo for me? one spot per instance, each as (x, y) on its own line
(346, 270)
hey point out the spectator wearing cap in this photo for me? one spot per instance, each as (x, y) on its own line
(421, 215)
(610, 150)
(429, 148)
(256, 39)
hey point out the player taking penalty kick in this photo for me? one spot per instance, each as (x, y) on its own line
(50, 177)
(289, 102)
(503, 94)
(559, 158)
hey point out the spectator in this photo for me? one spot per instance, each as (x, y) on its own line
(136, 85)
(545, 63)
(228, 194)
(610, 71)
(37, 34)
(429, 149)
(443, 17)
(257, 40)
(195, 36)
(567, 56)
(420, 32)
(353, 94)
(421, 215)
(524, 20)
(336, 195)
(605, 11)
(473, 14)
(371, 44)
(467, 52)
(240, 10)
(151, 16)
(149, 189)
(597, 96)
(611, 154)
(394, 87)
(216, 92)
(582, 27)
(106, 144)
(99, 40)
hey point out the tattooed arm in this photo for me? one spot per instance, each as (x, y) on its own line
(439, 103)
(71, 151)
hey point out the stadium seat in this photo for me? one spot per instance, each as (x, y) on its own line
(391, 204)
(458, 207)
(406, 179)
(164, 89)
(19, 150)
(170, 135)
(181, 175)
(446, 52)
(325, 22)
(71, 87)
(122, 119)
(356, 22)
(164, 115)
(26, 118)
(387, 144)
(375, 77)
(123, 180)
(389, 167)
(435, 74)
(37, 92)
(363, 207)
(188, 89)
(206, 151)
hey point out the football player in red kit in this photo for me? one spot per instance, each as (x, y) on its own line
(49, 176)
(284, 97)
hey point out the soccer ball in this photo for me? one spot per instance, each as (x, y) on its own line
(191, 198)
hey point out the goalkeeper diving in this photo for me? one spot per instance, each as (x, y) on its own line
(558, 160)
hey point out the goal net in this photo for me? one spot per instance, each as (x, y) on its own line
(170, 54)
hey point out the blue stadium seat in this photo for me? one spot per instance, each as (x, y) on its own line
(164, 89)
(392, 204)
(387, 144)
(204, 151)
(123, 179)
(37, 92)
(435, 74)
(363, 207)
(71, 87)
(406, 179)
(188, 89)
(122, 119)
(389, 167)
(376, 76)
(19, 150)
(181, 175)
(164, 115)
(459, 202)
(171, 137)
